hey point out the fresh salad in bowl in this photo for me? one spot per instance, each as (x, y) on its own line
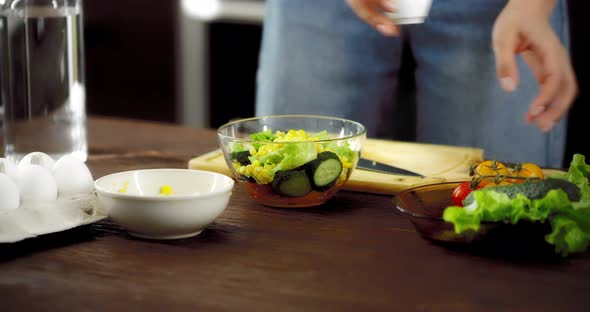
(296, 164)
(521, 192)
(292, 167)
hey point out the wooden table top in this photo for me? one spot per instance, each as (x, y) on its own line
(353, 253)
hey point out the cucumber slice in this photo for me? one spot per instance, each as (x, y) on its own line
(533, 189)
(291, 183)
(324, 170)
(242, 157)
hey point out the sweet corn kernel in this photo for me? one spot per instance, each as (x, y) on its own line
(124, 188)
(252, 150)
(165, 190)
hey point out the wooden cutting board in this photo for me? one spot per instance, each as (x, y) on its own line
(438, 163)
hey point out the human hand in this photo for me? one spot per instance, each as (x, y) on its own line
(523, 28)
(371, 11)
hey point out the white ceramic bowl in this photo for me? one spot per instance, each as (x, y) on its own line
(410, 11)
(132, 199)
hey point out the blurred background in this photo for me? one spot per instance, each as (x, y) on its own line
(193, 62)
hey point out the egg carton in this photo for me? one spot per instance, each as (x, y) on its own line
(32, 219)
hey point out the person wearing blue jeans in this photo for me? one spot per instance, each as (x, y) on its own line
(493, 74)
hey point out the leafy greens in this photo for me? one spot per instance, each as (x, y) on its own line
(281, 151)
(570, 221)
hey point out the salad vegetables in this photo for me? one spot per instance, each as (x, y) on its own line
(293, 163)
(563, 200)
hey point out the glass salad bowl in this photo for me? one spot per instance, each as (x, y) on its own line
(292, 160)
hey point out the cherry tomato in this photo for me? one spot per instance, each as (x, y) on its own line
(490, 169)
(460, 192)
(527, 170)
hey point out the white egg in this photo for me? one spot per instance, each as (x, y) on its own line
(37, 158)
(9, 194)
(8, 167)
(72, 176)
(36, 183)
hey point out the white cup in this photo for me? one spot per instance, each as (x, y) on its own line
(410, 11)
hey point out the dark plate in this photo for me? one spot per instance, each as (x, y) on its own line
(424, 206)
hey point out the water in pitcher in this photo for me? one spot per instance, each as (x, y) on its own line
(42, 81)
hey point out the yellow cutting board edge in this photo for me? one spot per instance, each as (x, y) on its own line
(439, 163)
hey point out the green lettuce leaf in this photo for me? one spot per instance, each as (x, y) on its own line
(342, 148)
(570, 221)
(578, 173)
(262, 136)
(322, 135)
(289, 156)
(238, 147)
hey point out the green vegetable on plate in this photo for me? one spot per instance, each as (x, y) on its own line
(563, 200)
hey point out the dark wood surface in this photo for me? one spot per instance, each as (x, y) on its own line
(354, 253)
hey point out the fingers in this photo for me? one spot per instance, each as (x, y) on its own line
(558, 90)
(505, 44)
(370, 11)
(546, 57)
(534, 63)
(541, 105)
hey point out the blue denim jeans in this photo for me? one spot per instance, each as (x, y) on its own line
(317, 57)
